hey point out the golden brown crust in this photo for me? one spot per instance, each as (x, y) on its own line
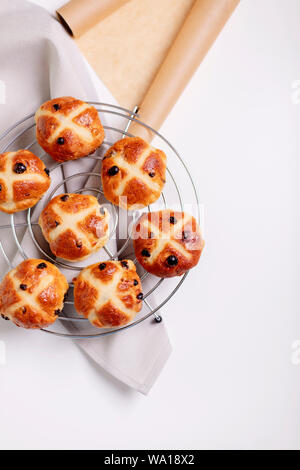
(24, 179)
(109, 294)
(157, 236)
(141, 173)
(75, 226)
(32, 294)
(68, 129)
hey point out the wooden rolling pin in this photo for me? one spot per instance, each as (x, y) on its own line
(78, 16)
(199, 31)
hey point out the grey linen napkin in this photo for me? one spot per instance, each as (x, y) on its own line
(39, 61)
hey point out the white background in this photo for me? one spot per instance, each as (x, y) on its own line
(230, 382)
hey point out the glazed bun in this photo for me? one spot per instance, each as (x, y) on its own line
(167, 243)
(133, 173)
(24, 179)
(32, 294)
(109, 294)
(75, 226)
(67, 128)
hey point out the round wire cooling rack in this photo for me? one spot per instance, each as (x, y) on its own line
(179, 194)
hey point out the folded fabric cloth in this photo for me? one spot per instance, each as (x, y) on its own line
(38, 62)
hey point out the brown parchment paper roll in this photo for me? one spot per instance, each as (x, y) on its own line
(78, 16)
(200, 29)
(128, 47)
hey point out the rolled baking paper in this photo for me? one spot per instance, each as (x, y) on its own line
(127, 58)
(78, 16)
(199, 31)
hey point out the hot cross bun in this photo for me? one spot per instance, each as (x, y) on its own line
(32, 294)
(74, 225)
(133, 173)
(109, 294)
(23, 180)
(167, 243)
(67, 128)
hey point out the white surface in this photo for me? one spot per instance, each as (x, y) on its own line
(230, 382)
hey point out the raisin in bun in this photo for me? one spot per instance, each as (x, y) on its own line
(133, 173)
(23, 180)
(67, 128)
(74, 225)
(109, 294)
(32, 294)
(167, 243)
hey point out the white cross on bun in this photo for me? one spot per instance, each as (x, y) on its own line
(133, 173)
(74, 225)
(32, 295)
(23, 180)
(167, 243)
(109, 294)
(67, 128)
